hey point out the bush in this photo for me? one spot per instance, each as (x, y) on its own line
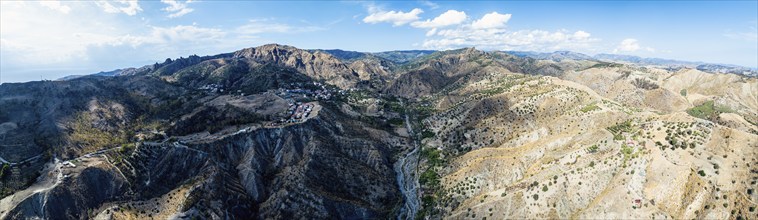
(396, 121)
(427, 134)
(433, 156)
(701, 172)
(644, 84)
(589, 108)
(4, 170)
(430, 178)
(593, 148)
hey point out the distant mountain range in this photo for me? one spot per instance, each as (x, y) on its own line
(668, 63)
(398, 56)
(405, 56)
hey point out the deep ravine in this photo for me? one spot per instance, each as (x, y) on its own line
(407, 178)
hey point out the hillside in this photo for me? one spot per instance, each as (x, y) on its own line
(277, 132)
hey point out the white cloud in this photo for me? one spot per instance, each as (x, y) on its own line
(581, 34)
(450, 17)
(258, 26)
(56, 5)
(36, 38)
(491, 20)
(170, 35)
(627, 45)
(489, 32)
(177, 8)
(129, 7)
(501, 39)
(631, 45)
(33, 33)
(431, 32)
(397, 18)
(430, 4)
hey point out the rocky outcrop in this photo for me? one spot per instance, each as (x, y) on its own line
(317, 65)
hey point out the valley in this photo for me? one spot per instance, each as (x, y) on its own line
(277, 132)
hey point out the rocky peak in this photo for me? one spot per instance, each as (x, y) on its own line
(318, 65)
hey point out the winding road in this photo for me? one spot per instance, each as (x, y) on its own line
(23, 161)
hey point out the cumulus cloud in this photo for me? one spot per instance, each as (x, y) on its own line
(491, 20)
(177, 8)
(501, 39)
(56, 5)
(397, 18)
(631, 45)
(581, 34)
(450, 17)
(129, 7)
(489, 32)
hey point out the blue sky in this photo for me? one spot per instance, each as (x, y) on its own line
(50, 39)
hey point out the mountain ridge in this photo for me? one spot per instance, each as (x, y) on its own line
(278, 132)
(405, 56)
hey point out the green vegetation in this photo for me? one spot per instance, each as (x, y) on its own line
(590, 108)
(396, 121)
(544, 188)
(593, 148)
(626, 150)
(708, 110)
(628, 153)
(125, 151)
(430, 181)
(432, 156)
(427, 134)
(429, 178)
(701, 172)
(618, 129)
(683, 92)
(605, 64)
(394, 106)
(4, 170)
(91, 138)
